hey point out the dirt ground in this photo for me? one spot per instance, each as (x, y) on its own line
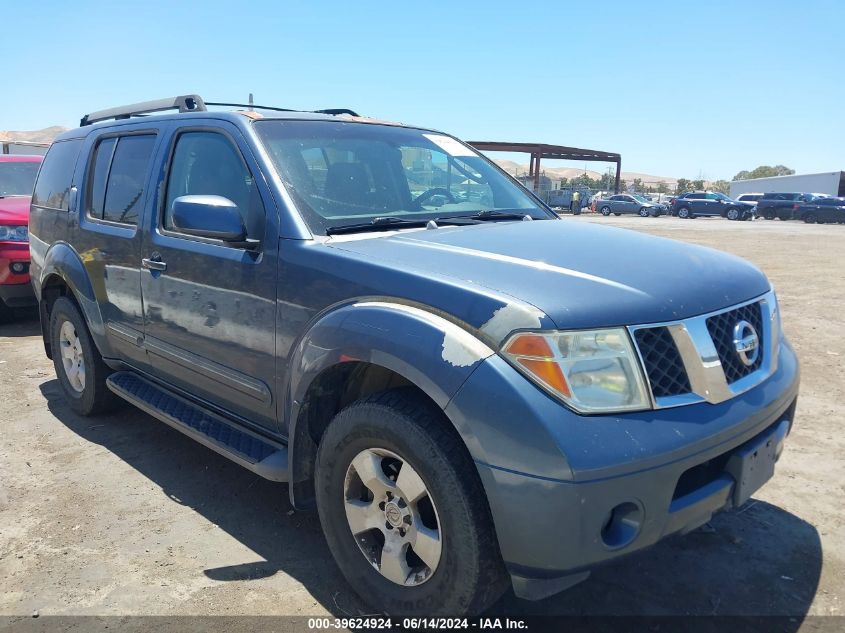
(121, 515)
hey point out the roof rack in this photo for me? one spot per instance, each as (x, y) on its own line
(187, 103)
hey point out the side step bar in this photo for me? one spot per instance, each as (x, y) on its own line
(262, 456)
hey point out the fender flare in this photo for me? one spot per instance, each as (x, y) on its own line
(432, 352)
(63, 261)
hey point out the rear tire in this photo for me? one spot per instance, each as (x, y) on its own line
(79, 366)
(810, 218)
(384, 434)
(684, 213)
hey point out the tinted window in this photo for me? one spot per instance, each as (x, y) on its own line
(127, 178)
(695, 196)
(207, 163)
(52, 189)
(96, 192)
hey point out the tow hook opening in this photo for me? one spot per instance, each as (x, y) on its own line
(622, 525)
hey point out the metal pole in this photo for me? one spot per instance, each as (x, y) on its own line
(618, 174)
(537, 173)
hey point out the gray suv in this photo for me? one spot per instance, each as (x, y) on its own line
(472, 392)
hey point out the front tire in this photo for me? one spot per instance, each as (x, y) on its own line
(732, 214)
(392, 472)
(643, 212)
(605, 211)
(79, 366)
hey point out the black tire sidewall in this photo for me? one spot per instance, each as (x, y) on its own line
(455, 582)
(83, 403)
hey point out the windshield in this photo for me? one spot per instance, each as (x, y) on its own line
(18, 178)
(720, 196)
(341, 173)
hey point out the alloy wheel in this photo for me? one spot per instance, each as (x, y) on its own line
(73, 359)
(392, 516)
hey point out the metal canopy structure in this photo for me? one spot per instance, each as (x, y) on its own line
(538, 151)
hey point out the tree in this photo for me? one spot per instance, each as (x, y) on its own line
(722, 186)
(683, 185)
(765, 171)
(638, 184)
(698, 184)
(662, 188)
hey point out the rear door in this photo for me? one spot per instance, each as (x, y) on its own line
(209, 307)
(115, 194)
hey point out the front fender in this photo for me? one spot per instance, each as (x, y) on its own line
(432, 352)
(63, 261)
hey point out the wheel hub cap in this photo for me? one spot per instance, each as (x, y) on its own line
(73, 360)
(392, 517)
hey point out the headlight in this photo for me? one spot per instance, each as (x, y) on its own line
(593, 371)
(13, 234)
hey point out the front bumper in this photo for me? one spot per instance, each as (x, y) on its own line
(567, 492)
(15, 288)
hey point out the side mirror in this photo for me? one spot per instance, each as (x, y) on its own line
(215, 217)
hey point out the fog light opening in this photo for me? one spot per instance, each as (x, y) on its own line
(622, 525)
(18, 267)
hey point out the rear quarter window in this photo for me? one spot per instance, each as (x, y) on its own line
(52, 189)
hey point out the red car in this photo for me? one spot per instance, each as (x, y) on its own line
(17, 177)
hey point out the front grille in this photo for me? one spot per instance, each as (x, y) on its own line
(662, 361)
(721, 328)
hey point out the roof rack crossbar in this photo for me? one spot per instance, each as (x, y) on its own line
(336, 111)
(251, 106)
(184, 103)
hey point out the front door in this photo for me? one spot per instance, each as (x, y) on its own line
(209, 307)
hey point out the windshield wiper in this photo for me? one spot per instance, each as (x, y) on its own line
(376, 224)
(491, 214)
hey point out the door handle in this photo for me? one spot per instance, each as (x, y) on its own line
(153, 262)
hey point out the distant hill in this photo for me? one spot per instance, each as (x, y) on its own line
(556, 173)
(45, 135)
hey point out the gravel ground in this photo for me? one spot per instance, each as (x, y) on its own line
(120, 515)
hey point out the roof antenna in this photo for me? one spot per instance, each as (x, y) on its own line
(251, 102)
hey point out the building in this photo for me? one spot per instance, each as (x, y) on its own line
(831, 183)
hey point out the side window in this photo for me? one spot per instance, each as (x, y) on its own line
(115, 189)
(207, 163)
(52, 189)
(695, 196)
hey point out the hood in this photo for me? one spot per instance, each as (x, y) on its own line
(14, 210)
(580, 275)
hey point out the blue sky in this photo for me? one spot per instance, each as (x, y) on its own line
(678, 88)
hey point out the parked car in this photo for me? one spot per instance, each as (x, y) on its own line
(17, 177)
(782, 204)
(750, 198)
(629, 203)
(471, 393)
(821, 211)
(695, 204)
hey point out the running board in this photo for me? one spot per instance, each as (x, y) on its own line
(262, 456)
